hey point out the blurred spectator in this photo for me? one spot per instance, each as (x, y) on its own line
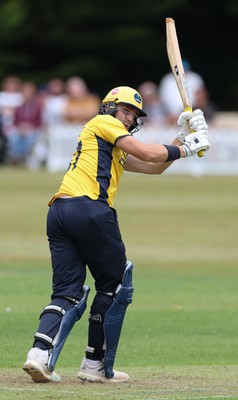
(27, 124)
(10, 97)
(169, 94)
(3, 141)
(202, 101)
(52, 99)
(54, 103)
(151, 103)
(80, 105)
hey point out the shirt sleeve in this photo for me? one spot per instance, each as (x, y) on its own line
(111, 129)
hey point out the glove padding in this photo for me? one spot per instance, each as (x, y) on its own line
(194, 142)
(188, 121)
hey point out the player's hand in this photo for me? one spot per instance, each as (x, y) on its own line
(183, 122)
(194, 142)
(197, 121)
(188, 121)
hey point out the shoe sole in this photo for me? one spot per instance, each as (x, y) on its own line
(37, 373)
(93, 378)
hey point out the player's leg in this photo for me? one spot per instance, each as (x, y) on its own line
(106, 259)
(104, 332)
(68, 280)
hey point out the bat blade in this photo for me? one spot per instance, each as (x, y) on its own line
(176, 65)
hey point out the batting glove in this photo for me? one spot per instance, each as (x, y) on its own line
(194, 142)
(197, 121)
(188, 121)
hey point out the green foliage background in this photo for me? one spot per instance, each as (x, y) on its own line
(110, 43)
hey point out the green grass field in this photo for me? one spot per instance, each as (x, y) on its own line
(180, 335)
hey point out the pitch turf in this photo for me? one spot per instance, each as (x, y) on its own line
(180, 336)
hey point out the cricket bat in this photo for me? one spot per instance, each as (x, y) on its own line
(176, 64)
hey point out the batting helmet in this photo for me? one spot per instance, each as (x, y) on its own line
(123, 95)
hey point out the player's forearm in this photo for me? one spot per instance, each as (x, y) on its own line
(133, 164)
(163, 166)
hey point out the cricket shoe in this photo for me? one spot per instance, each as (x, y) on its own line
(36, 366)
(93, 371)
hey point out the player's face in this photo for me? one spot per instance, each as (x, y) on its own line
(126, 115)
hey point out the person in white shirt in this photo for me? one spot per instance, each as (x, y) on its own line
(169, 94)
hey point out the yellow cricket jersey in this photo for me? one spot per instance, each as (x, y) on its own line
(97, 165)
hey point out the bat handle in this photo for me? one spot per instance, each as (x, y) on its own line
(201, 152)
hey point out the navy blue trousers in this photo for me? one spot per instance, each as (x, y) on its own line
(83, 232)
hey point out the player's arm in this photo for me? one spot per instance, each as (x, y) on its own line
(149, 158)
(158, 153)
(133, 164)
(155, 153)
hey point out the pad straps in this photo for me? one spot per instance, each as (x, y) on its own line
(67, 323)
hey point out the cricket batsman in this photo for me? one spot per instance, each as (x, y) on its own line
(83, 233)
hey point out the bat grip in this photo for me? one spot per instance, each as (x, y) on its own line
(200, 152)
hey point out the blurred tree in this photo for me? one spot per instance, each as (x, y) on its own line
(110, 43)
